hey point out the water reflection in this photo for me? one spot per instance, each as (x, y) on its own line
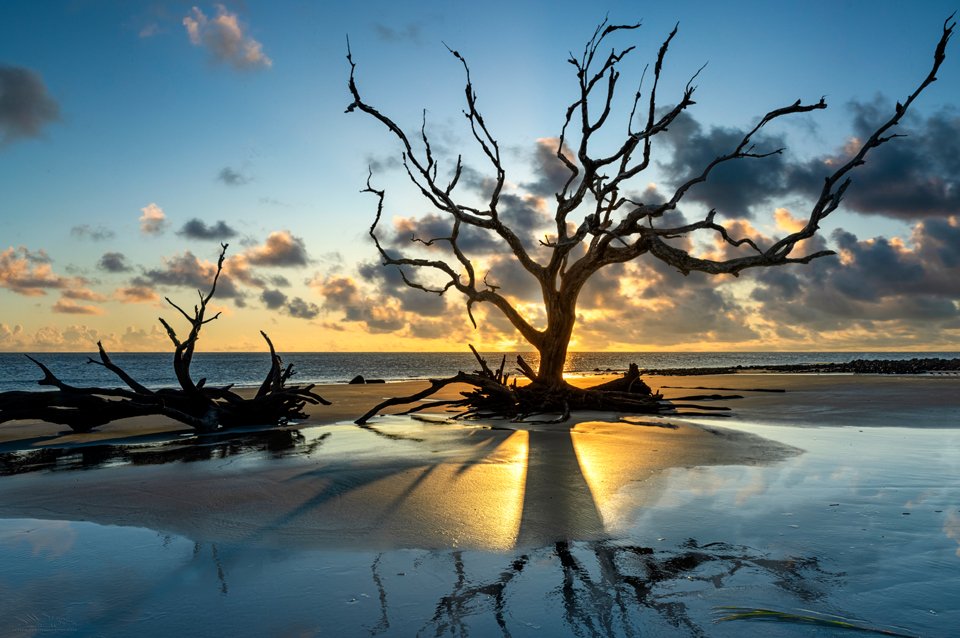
(599, 588)
(273, 443)
(400, 484)
(372, 535)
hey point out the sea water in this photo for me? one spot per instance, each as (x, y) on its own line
(155, 370)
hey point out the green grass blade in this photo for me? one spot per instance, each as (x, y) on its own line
(773, 615)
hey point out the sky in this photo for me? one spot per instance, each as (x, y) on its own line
(135, 137)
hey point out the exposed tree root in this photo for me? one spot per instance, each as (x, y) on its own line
(493, 397)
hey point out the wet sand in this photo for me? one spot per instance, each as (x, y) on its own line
(856, 400)
(404, 483)
(593, 527)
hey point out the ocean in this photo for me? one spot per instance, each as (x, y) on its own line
(155, 370)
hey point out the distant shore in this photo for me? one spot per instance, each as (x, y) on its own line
(857, 366)
(154, 371)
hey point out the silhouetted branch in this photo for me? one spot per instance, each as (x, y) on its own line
(202, 408)
(597, 223)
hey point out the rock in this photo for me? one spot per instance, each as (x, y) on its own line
(357, 380)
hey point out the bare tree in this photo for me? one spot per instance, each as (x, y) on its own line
(596, 221)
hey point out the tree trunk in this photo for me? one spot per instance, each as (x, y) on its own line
(561, 315)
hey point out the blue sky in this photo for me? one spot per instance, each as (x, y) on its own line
(147, 105)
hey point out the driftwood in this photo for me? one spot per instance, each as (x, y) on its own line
(203, 408)
(495, 396)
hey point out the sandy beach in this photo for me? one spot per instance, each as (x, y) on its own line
(497, 489)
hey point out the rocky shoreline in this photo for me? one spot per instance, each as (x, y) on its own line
(857, 366)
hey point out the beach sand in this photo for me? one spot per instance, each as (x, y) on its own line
(406, 527)
(406, 483)
(863, 400)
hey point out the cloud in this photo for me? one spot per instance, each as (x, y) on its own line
(273, 201)
(296, 307)
(10, 336)
(408, 232)
(388, 281)
(25, 105)
(379, 164)
(188, 271)
(69, 307)
(514, 280)
(82, 294)
(49, 338)
(136, 294)
(225, 40)
(887, 287)
(114, 262)
(734, 187)
(409, 32)
(149, 30)
(675, 309)
(197, 229)
(342, 294)
(85, 231)
(30, 273)
(231, 177)
(910, 178)
(526, 215)
(525, 209)
(302, 309)
(152, 339)
(81, 338)
(152, 221)
(281, 249)
(786, 222)
(553, 173)
(273, 299)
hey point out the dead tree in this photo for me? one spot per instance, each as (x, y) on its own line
(596, 223)
(203, 408)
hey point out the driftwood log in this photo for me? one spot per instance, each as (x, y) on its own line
(496, 395)
(206, 409)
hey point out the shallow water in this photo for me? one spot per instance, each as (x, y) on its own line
(865, 525)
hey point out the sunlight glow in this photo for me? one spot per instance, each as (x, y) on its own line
(473, 501)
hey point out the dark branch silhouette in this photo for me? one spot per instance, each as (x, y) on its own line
(596, 223)
(203, 408)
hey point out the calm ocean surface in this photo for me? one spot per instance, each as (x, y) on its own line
(248, 369)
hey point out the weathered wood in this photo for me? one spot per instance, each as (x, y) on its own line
(629, 382)
(203, 408)
(491, 397)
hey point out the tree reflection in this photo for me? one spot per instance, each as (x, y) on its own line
(609, 589)
(274, 443)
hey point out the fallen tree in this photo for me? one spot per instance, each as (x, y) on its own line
(495, 396)
(204, 408)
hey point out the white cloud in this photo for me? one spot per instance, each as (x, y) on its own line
(152, 221)
(225, 39)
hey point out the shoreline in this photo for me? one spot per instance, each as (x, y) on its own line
(401, 482)
(773, 397)
(823, 492)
